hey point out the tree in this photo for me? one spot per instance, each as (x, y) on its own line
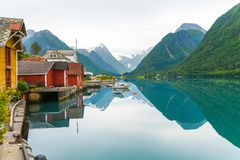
(35, 48)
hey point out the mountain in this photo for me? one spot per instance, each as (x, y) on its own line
(45, 39)
(171, 50)
(219, 52)
(133, 61)
(191, 26)
(92, 61)
(107, 56)
(91, 65)
(101, 63)
(98, 62)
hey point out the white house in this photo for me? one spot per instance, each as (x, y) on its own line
(61, 56)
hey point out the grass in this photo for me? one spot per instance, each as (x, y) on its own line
(140, 77)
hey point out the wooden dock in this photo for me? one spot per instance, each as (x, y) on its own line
(98, 83)
(50, 94)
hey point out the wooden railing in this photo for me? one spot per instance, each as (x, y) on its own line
(25, 152)
(11, 128)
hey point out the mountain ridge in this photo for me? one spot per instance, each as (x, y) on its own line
(190, 26)
(171, 50)
(46, 40)
(219, 52)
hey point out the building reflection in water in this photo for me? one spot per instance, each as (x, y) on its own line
(55, 114)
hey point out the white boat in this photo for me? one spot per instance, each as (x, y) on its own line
(118, 86)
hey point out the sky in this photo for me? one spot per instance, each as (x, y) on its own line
(126, 27)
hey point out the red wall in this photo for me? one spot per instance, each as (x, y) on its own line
(72, 80)
(38, 80)
(58, 78)
(75, 80)
(50, 78)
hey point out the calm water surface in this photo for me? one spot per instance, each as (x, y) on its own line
(185, 120)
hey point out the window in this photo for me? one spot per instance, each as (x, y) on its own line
(8, 66)
(8, 56)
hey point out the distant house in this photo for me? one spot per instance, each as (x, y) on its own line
(75, 74)
(36, 73)
(61, 55)
(88, 74)
(11, 33)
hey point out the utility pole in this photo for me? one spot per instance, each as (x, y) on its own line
(76, 44)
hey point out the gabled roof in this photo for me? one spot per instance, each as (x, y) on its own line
(9, 25)
(62, 52)
(59, 66)
(34, 68)
(75, 69)
(34, 58)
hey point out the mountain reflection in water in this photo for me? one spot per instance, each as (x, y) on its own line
(105, 96)
(219, 100)
(173, 104)
(190, 104)
(193, 102)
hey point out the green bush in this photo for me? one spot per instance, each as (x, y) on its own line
(6, 95)
(22, 86)
(22, 55)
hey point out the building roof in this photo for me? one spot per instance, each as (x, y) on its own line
(34, 68)
(34, 58)
(58, 57)
(75, 69)
(60, 66)
(62, 52)
(9, 25)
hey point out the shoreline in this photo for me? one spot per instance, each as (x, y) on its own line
(14, 146)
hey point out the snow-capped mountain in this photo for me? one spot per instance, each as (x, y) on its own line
(107, 56)
(135, 59)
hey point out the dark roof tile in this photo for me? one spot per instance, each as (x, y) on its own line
(75, 69)
(34, 68)
(60, 66)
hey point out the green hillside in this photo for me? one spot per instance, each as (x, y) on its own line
(173, 48)
(45, 39)
(219, 52)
